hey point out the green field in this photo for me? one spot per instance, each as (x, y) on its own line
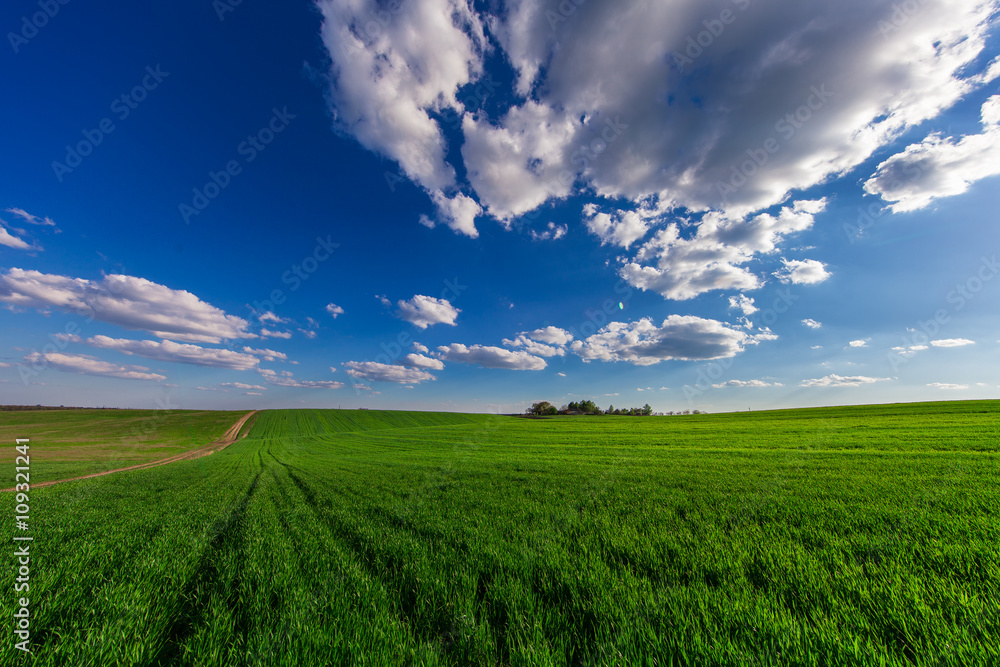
(833, 536)
(70, 443)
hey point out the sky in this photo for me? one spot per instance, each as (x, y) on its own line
(448, 205)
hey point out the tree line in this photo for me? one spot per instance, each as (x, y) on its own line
(544, 408)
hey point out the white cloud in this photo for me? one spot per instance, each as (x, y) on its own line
(811, 323)
(553, 232)
(271, 317)
(31, 219)
(334, 310)
(266, 354)
(938, 167)
(417, 347)
(389, 76)
(11, 241)
(682, 267)
(620, 228)
(519, 164)
(562, 375)
(129, 302)
(840, 381)
(802, 272)
(952, 342)
(285, 379)
(243, 385)
(268, 333)
(747, 383)
(87, 365)
(681, 337)
(946, 385)
(182, 353)
(376, 372)
(423, 311)
(858, 343)
(414, 360)
(534, 347)
(551, 335)
(491, 357)
(675, 128)
(458, 212)
(909, 350)
(743, 303)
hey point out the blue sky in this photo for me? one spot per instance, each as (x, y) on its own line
(432, 204)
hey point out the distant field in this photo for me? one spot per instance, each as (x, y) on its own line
(70, 443)
(860, 535)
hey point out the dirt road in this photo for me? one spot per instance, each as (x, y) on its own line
(228, 438)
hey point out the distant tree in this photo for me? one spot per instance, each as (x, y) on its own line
(542, 408)
(647, 410)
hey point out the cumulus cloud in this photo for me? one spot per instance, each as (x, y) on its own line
(182, 353)
(802, 272)
(423, 311)
(376, 372)
(126, 301)
(620, 228)
(334, 310)
(414, 360)
(811, 323)
(747, 383)
(534, 347)
(553, 232)
(680, 337)
(743, 303)
(946, 385)
(390, 78)
(858, 343)
(841, 381)
(551, 335)
(952, 342)
(271, 317)
(491, 357)
(713, 258)
(87, 365)
(938, 167)
(676, 128)
(285, 379)
(418, 347)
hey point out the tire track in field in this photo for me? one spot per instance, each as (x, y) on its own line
(206, 583)
(391, 570)
(228, 438)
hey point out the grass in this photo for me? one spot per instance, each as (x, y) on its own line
(863, 535)
(69, 443)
